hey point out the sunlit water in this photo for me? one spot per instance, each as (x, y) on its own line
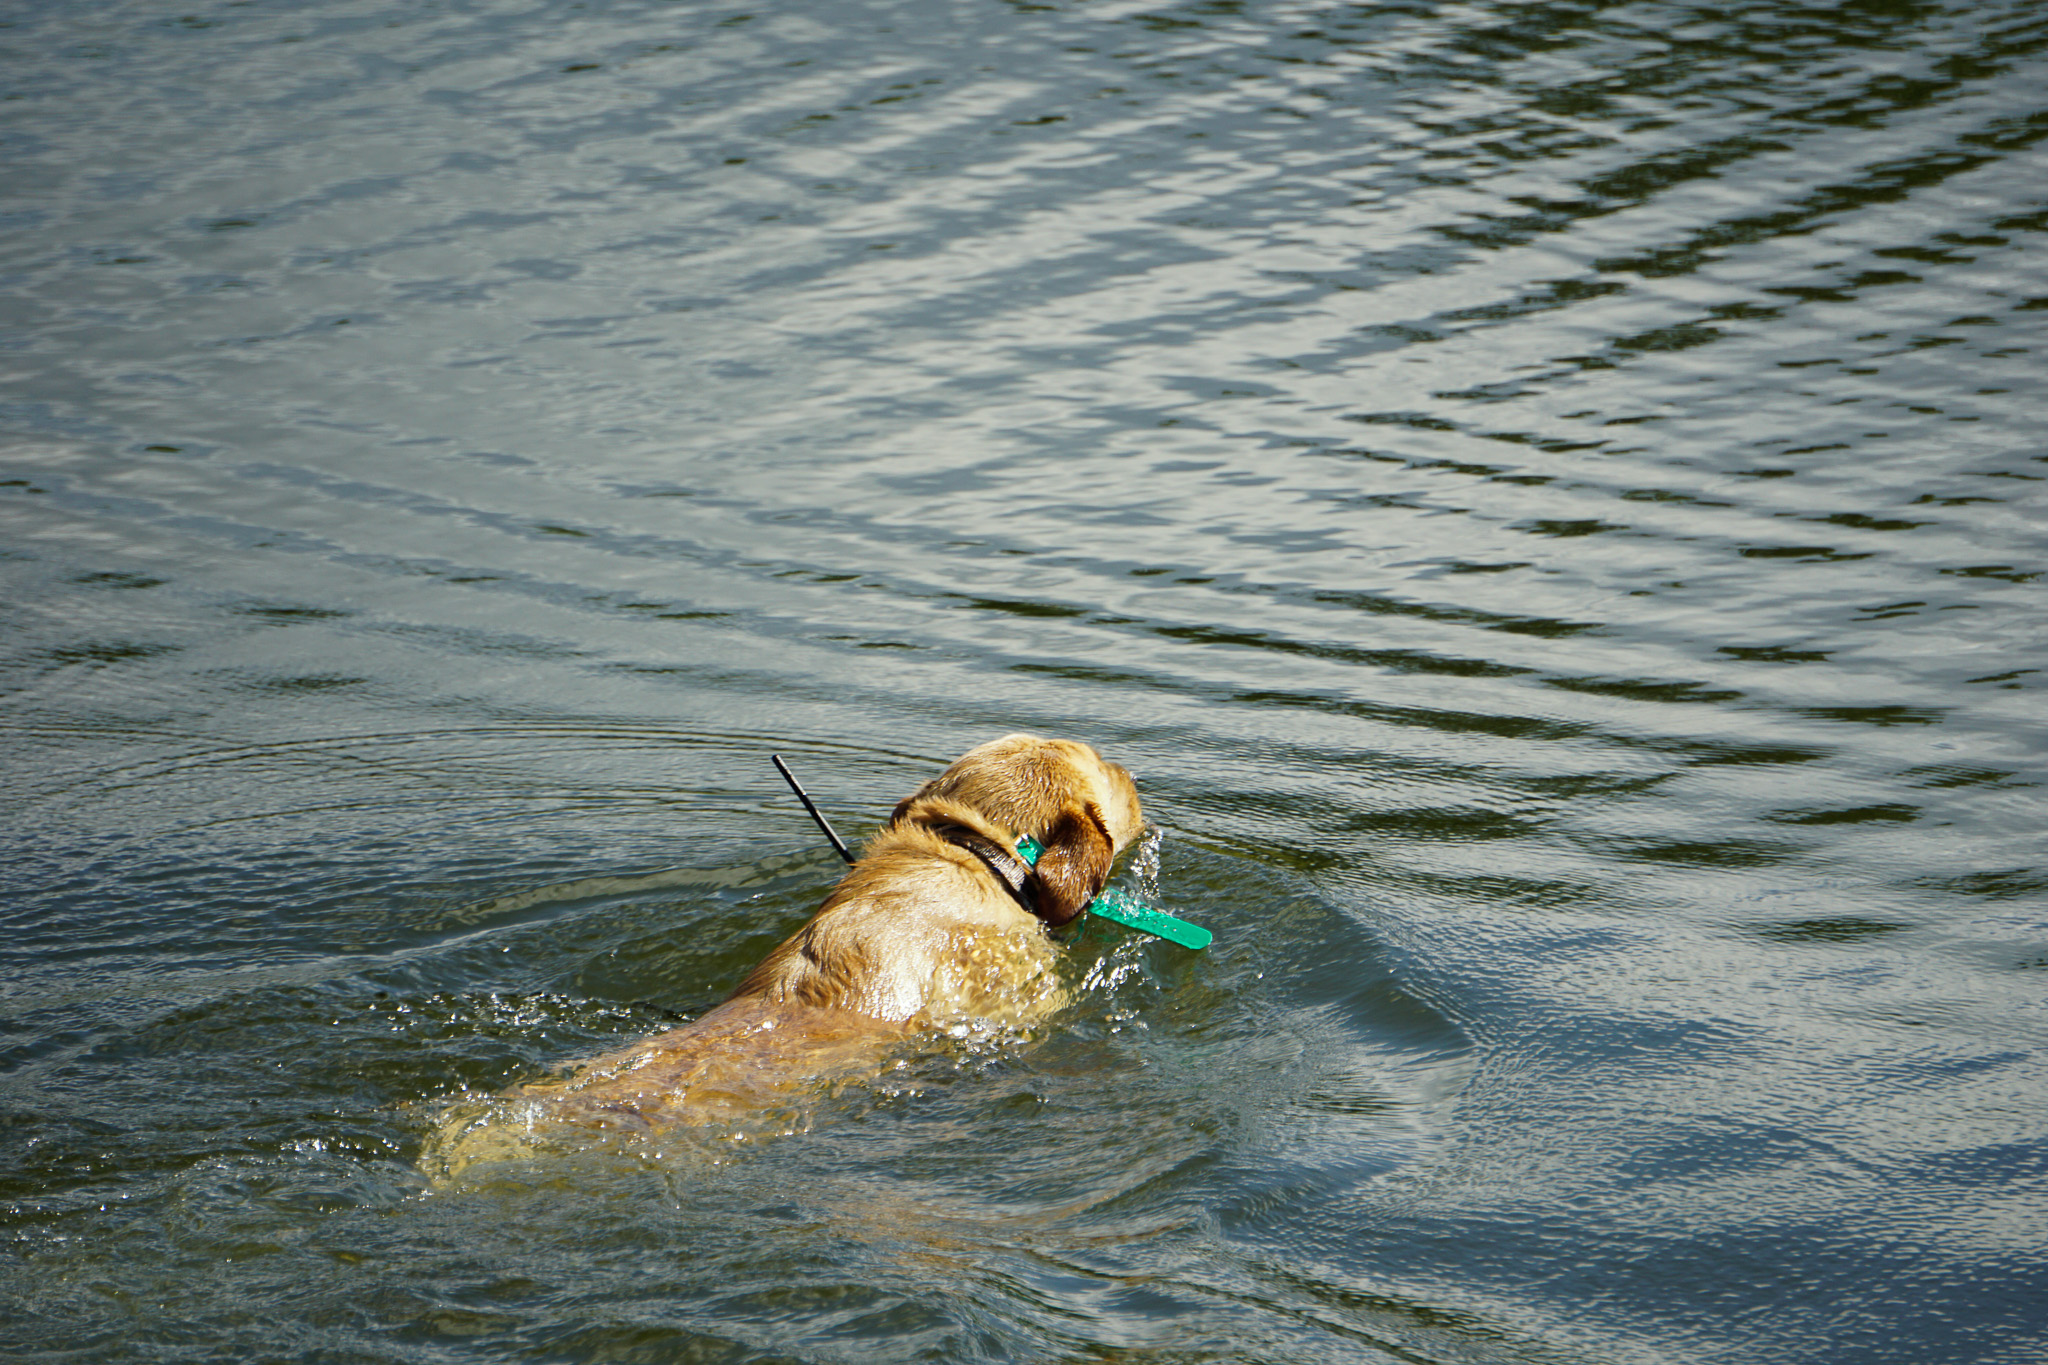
(1547, 498)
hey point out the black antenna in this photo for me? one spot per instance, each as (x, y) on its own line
(810, 805)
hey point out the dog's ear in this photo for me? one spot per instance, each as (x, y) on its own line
(903, 806)
(1076, 861)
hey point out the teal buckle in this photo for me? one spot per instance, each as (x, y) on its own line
(1115, 905)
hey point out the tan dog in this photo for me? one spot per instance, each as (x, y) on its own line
(939, 924)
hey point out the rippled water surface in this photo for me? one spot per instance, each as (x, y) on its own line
(1547, 498)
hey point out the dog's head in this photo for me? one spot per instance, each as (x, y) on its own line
(1081, 808)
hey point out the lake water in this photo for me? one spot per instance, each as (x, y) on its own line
(1547, 498)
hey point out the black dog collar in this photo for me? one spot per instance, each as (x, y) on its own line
(1013, 872)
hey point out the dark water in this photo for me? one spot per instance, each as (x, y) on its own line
(1547, 497)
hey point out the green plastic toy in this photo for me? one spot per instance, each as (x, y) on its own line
(1115, 905)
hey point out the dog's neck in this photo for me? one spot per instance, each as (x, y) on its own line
(1013, 872)
(970, 831)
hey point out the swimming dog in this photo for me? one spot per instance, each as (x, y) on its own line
(940, 923)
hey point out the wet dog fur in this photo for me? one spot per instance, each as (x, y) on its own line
(919, 935)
